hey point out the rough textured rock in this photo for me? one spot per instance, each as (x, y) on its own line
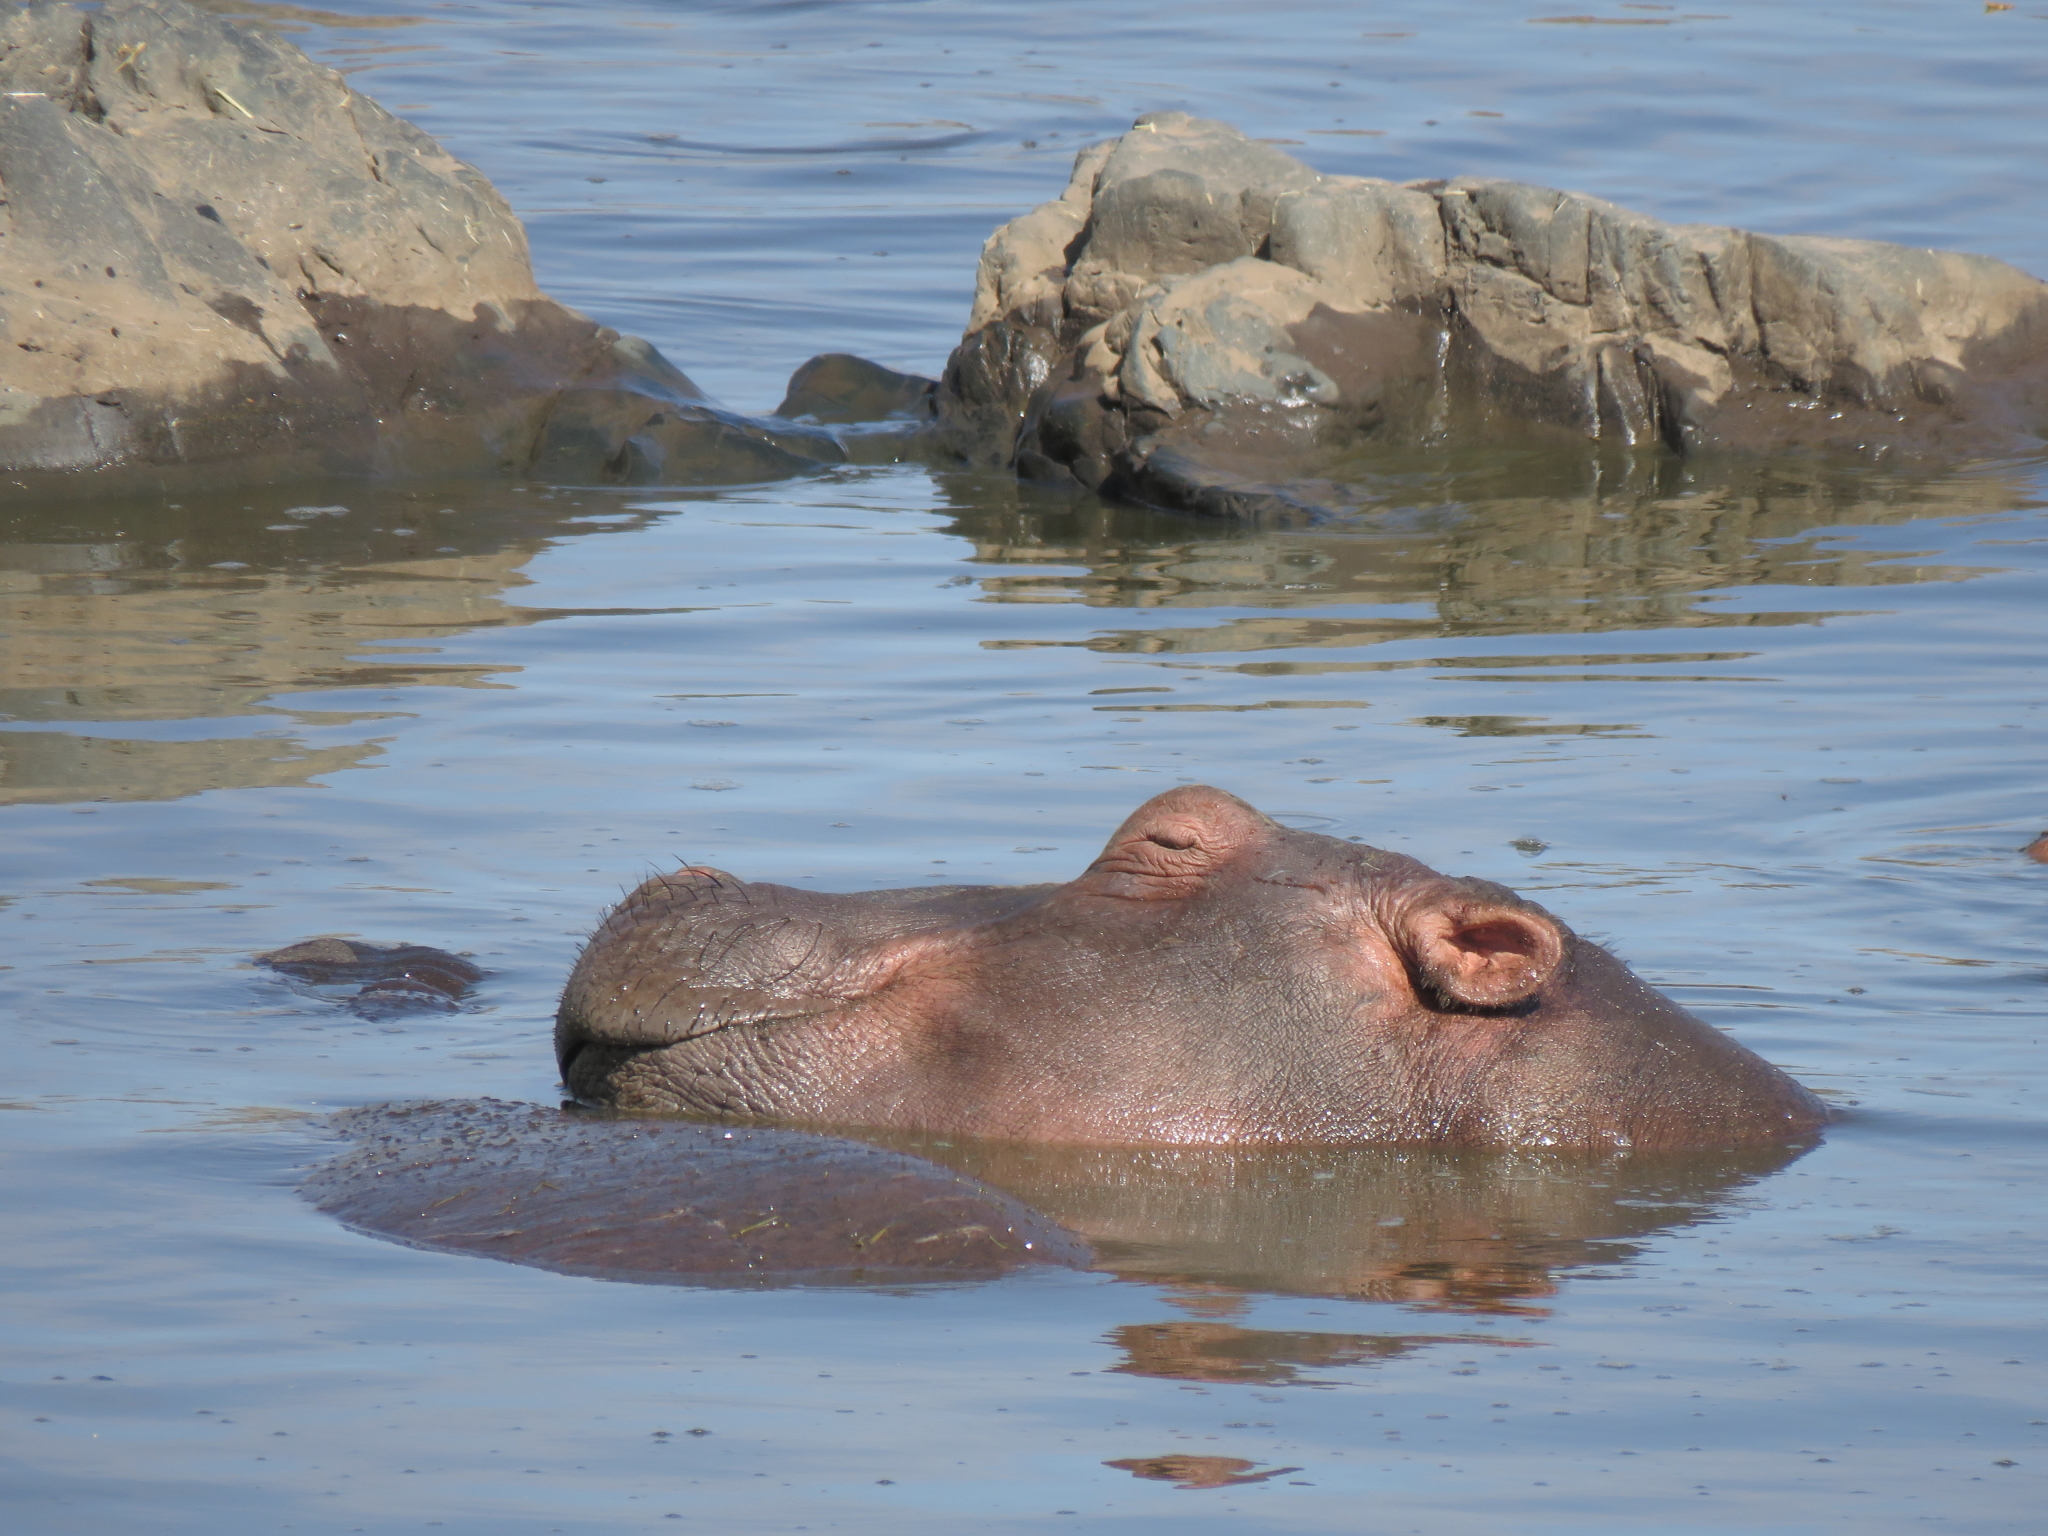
(213, 252)
(1197, 317)
(841, 388)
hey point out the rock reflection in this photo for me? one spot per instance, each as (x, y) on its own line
(140, 610)
(125, 614)
(1446, 556)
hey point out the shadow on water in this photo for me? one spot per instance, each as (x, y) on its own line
(675, 1202)
(146, 610)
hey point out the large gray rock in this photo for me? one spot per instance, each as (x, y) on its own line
(1201, 321)
(214, 253)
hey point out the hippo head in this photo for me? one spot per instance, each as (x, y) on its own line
(1214, 977)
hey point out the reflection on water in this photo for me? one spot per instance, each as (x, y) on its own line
(119, 614)
(1518, 564)
(1182, 1351)
(1197, 1471)
(1458, 1232)
(1745, 728)
(1468, 1232)
(158, 612)
(660, 1201)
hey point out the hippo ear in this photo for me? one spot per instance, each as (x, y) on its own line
(1476, 951)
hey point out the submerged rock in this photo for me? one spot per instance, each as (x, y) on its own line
(214, 253)
(1203, 322)
(395, 978)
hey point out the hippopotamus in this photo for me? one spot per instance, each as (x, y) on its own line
(1214, 977)
(668, 1201)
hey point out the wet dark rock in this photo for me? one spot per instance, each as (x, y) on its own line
(395, 978)
(655, 1200)
(214, 253)
(841, 388)
(1201, 322)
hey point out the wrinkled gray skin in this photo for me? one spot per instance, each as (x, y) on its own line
(1214, 977)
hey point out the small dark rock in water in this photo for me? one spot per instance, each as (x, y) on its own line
(652, 1200)
(396, 978)
(2037, 850)
(838, 387)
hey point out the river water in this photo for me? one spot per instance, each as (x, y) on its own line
(1775, 734)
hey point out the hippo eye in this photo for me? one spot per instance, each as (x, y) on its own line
(1179, 842)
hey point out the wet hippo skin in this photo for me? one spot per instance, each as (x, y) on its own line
(596, 1193)
(667, 1202)
(1213, 978)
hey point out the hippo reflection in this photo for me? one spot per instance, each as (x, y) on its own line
(671, 1201)
(1213, 978)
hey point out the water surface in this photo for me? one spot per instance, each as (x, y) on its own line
(1776, 735)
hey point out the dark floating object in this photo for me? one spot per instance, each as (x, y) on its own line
(671, 1201)
(395, 978)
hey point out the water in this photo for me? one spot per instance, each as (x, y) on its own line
(1775, 736)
